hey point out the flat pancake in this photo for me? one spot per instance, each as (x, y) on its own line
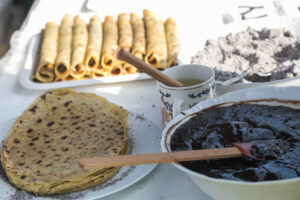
(42, 150)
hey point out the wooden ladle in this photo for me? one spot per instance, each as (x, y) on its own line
(239, 149)
(124, 55)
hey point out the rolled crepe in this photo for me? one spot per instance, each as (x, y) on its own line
(94, 43)
(87, 75)
(71, 78)
(116, 70)
(125, 31)
(156, 52)
(79, 44)
(139, 39)
(45, 71)
(100, 72)
(172, 41)
(58, 79)
(129, 69)
(138, 48)
(63, 60)
(110, 42)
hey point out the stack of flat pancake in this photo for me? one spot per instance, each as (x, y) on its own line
(42, 150)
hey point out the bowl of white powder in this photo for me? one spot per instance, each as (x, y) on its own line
(269, 50)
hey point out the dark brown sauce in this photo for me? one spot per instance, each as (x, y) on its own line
(221, 126)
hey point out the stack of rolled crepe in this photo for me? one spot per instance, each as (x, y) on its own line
(41, 152)
(76, 50)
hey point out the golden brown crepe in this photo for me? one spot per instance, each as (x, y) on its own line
(138, 48)
(79, 43)
(63, 59)
(42, 150)
(100, 72)
(139, 38)
(125, 31)
(110, 42)
(94, 43)
(45, 69)
(172, 41)
(116, 70)
(129, 69)
(156, 54)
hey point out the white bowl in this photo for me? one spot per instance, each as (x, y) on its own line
(288, 189)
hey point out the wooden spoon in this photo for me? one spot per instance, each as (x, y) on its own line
(239, 149)
(124, 55)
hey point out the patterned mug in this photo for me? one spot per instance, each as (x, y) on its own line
(173, 100)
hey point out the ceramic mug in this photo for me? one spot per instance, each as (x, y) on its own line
(173, 100)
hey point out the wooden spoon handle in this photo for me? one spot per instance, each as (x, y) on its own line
(135, 159)
(123, 54)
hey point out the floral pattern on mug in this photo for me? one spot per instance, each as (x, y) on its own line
(199, 94)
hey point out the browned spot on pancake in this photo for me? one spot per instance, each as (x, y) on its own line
(21, 121)
(75, 117)
(65, 148)
(43, 96)
(29, 130)
(66, 104)
(38, 162)
(50, 123)
(53, 108)
(33, 109)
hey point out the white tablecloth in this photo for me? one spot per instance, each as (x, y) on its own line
(165, 182)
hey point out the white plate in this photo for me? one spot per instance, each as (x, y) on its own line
(144, 137)
(30, 66)
(31, 62)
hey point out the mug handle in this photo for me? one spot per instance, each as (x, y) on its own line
(177, 106)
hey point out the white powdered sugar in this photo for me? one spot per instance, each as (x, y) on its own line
(271, 54)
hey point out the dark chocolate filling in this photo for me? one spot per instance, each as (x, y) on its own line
(222, 126)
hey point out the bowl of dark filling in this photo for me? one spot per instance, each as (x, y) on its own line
(269, 115)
